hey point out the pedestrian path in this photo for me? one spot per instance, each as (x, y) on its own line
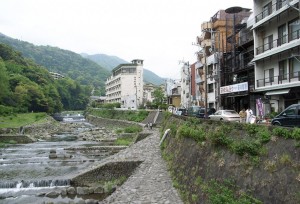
(150, 183)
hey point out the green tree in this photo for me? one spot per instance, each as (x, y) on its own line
(4, 85)
(159, 97)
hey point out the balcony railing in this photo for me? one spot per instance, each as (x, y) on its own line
(280, 79)
(247, 37)
(278, 42)
(266, 12)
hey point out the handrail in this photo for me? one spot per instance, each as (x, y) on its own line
(279, 79)
(278, 5)
(278, 42)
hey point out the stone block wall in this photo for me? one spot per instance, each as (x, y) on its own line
(107, 172)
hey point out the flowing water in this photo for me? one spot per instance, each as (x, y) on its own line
(26, 169)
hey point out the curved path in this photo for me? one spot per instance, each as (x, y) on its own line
(150, 182)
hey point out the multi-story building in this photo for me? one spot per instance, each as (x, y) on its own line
(218, 60)
(125, 85)
(173, 92)
(185, 73)
(277, 51)
(237, 76)
(148, 93)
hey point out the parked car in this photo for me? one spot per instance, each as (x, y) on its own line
(226, 115)
(290, 117)
(201, 112)
(193, 110)
(182, 111)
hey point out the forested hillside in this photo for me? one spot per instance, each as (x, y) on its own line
(73, 65)
(26, 86)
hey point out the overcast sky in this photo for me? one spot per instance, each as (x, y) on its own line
(160, 32)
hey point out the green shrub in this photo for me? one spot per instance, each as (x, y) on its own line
(219, 138)
(198, 134)
(252, 129)
(225, 192)
(282, 132)
(251, 147)
(133, 129)
(264, 135)
(296, 133)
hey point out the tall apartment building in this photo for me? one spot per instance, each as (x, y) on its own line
(185, 73)
(218, 58)
(125, 85)
(277, 51)
(237, 76)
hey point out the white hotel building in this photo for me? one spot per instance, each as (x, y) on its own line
(125, 85)
(277, 51)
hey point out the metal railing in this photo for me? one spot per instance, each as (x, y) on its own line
(279, 79)
(278, 42)
(274, 7)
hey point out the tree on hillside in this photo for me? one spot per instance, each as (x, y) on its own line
(4, 85)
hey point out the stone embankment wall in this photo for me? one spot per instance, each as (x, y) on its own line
(105, 122)
(106, 172)
(272, 177)
(18, 138)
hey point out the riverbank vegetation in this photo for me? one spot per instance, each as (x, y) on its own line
(130, 115)
(26, 86)
(22, 119)
(223, 162)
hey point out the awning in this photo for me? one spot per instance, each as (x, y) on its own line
(277, 92)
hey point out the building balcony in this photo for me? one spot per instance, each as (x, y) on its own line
(284, 40)
(198, 80)
(206, 43)
(279, 80)
(206, 26)
(245, 39)
(273, 10)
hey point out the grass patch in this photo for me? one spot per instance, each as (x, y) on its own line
(226, 192)
(130, 115)
(23, 119)
(124, 141)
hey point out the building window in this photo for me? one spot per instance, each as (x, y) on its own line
(294, 27)
(210, 69)
(267, 9)
(210, 88)
(269, 75)
(281, 35)
(268, 42)
(282, 70)
(294, 68)
(279, 4)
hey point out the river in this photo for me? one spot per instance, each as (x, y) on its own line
(27, 170)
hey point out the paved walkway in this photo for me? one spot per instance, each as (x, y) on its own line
(150, 182)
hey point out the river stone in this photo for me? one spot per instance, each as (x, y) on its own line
(99, 189)
(71, 190)
(42, 194)
(52, 156)
(82, 190)
(91, 190)
(63, 192)
(81, 202)
(52, 194)
(91, 201)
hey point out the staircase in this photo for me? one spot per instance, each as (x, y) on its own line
(154, 117)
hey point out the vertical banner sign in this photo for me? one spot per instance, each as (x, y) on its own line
(260, 106)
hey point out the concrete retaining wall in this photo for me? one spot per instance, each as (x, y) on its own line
(107, 172)
(105, 122)
(18, 138)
